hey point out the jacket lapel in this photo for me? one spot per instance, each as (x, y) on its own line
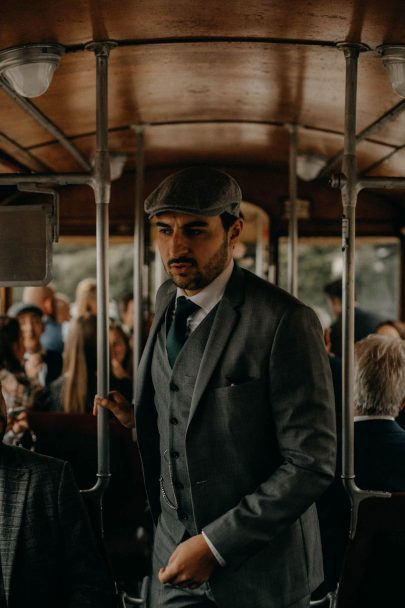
(225, 320)
(13, 491)
(162, 304)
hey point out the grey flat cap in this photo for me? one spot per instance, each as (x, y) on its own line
(20, 308)
(196, 191)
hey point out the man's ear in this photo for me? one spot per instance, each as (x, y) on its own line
(236, 229)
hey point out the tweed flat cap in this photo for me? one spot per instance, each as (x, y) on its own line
(196, 191)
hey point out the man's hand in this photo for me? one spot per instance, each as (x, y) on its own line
(118, 405)
(190, 565)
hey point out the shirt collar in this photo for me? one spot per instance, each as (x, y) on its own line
(361, 418)
(209, 297)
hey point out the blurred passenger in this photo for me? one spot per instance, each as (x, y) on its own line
(41, 365)
(44, 298)
(86, 298)
(48, 554)
(126, 309)
(120, 361)
(79, 379)
(18, 389)
(63, 315)
(395, 329)
(379, 394)
(74, 391)
(19, 432)
(365, 322)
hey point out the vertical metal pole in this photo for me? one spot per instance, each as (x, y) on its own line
(293, 219)
(350, 187)
(101, 186)
(259, 248)
(349, 200)
(139, 247)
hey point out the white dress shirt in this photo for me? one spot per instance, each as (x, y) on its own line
(207, 298)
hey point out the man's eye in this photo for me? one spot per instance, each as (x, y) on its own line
(165, 230)
(193, 231)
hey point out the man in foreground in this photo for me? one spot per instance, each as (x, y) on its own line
(48, 557)
(234, 415)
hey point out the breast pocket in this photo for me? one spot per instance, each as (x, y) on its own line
(240, 392)
(242, 410)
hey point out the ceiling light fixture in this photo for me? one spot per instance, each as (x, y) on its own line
(310, 165)
(393, 58)
(29, 69)
(117, 164)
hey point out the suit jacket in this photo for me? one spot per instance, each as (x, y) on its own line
(47, 550)
(379, 451)
(260, 441)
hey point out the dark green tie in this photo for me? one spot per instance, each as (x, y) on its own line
(177, 334)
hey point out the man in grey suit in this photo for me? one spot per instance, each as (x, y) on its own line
(234, 414)
(48, 556)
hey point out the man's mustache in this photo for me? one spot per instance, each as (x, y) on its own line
(182, 260)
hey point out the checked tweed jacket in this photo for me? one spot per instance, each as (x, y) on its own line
(47, 550)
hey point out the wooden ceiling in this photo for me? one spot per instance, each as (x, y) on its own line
(216, 83)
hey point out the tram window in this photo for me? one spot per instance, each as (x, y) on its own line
(320, 261)
(75, 259)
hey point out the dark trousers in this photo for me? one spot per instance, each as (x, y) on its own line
(165, 596)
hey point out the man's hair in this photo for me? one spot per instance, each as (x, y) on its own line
(334, 289)
(379, 375)
(227, 220)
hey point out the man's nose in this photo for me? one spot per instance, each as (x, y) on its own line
(179, 245)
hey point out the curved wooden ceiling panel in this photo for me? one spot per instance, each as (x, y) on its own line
(78, 21)
(216, 81)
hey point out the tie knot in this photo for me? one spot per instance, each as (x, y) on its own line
(184, 307)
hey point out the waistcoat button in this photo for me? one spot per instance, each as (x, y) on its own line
(178, 485)
(173, 420)
(173, 387)
(183, 516)
(175, 454)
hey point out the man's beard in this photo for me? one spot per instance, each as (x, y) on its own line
(203, 276)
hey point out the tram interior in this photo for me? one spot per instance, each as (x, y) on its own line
(262, 90)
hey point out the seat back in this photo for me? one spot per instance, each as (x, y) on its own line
(73, 437)
(373, 567)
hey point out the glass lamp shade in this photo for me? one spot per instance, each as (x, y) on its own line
(309, 165)
(31, 80)
(29, 69)
(393, 58)
(117, 164)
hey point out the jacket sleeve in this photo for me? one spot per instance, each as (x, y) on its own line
(302, 406)
(87, 578)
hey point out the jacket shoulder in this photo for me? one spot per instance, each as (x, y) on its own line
(262, 291)
(17, 457)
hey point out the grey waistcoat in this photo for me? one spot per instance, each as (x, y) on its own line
(173, 392)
